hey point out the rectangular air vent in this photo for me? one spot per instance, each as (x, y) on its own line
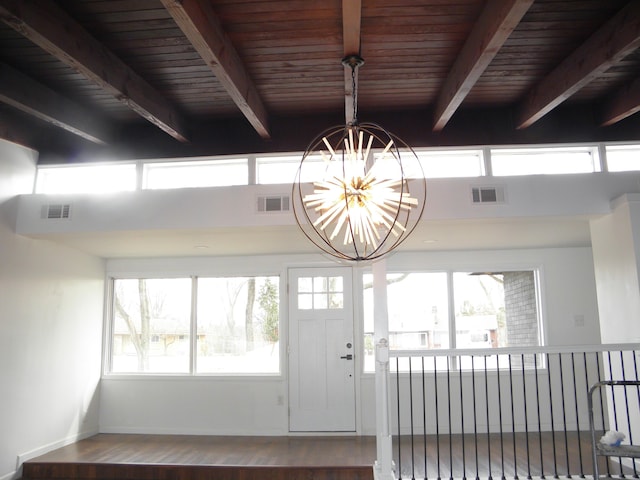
(273, 203)
(487, 195)
(56, 211)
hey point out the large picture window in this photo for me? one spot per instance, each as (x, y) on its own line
(491, 310)
(151, 325)
(233, 329)
(238, 325)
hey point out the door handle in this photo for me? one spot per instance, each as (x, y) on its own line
(348, 357)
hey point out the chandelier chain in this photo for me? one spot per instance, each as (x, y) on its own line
(354, 93)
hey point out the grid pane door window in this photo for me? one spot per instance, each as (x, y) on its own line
(418, 312)
(151, 325)
(238, 320)
(320, 293)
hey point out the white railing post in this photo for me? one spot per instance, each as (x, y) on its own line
(383, 468)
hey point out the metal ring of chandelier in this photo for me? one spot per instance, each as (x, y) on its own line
(351, 193)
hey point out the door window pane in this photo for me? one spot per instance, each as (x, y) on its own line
(320, 293)
(151, 327)
(238, 325)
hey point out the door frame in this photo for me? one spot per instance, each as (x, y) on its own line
(356, 286)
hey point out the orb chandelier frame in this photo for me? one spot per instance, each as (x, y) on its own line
(351, 194)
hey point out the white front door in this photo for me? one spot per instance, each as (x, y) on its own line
(321, 350)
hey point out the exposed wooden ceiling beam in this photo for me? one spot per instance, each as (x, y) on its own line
(29, 96)
(351, 20)
(201, 26)
(49, 27)
(495, 24)
(12, 131)
(610, 44)
(626, 102)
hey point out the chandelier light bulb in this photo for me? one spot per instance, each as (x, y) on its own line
(361, 208)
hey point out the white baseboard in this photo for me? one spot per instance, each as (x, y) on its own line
(36, 452)
(11, 475)
(190, 431)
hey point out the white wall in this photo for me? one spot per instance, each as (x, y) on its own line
(616, 253)
(51, 302)
(219, 405)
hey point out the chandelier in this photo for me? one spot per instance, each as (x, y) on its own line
(351, 194)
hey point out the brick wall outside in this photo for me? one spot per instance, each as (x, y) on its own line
(520, 309)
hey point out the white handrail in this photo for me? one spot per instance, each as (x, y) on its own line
(458, 352)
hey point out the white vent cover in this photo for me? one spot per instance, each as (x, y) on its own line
(273, 203)
(56, 211)
(491, 195)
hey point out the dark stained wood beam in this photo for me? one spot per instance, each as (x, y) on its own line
(351, 20)
(201, 26)
(495, 24)
(29, 96)
(626, 102)
(49, 27)
(610, 44)
(12, 131)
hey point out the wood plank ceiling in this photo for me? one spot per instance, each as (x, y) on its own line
(83, 79)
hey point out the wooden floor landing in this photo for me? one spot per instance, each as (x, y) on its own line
(190, 457)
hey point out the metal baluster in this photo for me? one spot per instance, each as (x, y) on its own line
(398, 399)
(486, 395)
(475, 422)
(450, 439)
(513, 422)
(413, 460)
(535, 367)
(626, 402)
(602, 407)
(575, 398)
(586, 382)
(424, 418)
(435, 396)
(526, 419)
(615, 408)
(635, 371)
(564, 416)
(500, 420)
(464, 463)
(553, 433)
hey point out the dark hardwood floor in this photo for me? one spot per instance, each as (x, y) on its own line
(177, 457)
(190, 457)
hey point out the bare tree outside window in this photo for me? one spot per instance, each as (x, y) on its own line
(238, 321)
(151, 325)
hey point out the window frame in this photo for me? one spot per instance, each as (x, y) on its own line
(538, 275)
(108, 330)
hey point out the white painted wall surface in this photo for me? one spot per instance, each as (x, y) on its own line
(448, 199)
(51, 302)
(616, 249)
(236, 405)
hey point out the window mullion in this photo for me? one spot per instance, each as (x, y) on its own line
(452, 317)
(193, 346)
